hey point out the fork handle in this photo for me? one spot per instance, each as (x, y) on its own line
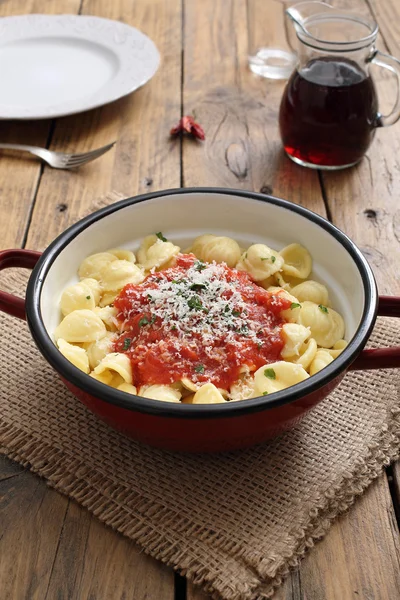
(31, 149)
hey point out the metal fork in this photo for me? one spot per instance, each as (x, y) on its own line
(60, 160)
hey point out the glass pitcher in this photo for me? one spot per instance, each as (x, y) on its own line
(329, 109)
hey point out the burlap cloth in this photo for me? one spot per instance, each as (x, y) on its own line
(233, 523)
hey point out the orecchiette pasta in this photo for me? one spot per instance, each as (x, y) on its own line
(208, 394)
(81, 326)
(123, 254)
(76, 355)
(161, 392)
(96, 351)
(297, 261)
(220, 322)
(118, 273)
(260, 261)
(93, 265)
(326, 325)
(294, 336)
(118, 362)
(154, 252)
(211, 248)
(278, 376)
(311, 291)
(321, 360)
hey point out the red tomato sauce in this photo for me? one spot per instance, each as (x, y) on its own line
(198, 321)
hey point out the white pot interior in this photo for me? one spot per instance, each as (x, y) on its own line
(182, 217)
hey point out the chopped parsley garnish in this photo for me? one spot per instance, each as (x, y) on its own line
(145, 321)
(322, 308)
(198, 286)
(195, 303)
(199, 368)
(199, 265)
(265, 393)
(173, 328)
(295, 305)
(161, 237)
(273, 258)
(226, 309)
(87, 297)
(270, 373)
(127, 343)
(235, 313)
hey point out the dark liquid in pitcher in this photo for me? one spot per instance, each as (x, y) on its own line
(328, 113)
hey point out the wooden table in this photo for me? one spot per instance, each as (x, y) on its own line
(52, 548)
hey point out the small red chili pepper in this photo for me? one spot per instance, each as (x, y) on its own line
(188, 124)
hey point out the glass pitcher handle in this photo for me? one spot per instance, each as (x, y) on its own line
(391, 64)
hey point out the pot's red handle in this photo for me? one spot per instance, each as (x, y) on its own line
(26, 259)
(381, 358)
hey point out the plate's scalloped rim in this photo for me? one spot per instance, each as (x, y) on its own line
(137, 55)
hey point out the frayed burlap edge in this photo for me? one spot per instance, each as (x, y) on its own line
(69, 479)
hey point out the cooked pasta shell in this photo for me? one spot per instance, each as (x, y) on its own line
(77, 297)
(338, 348)
(220, 249)
(81, 326)
(117, 274)
(94, 264)
(298, 261)
(117, 362)
(105, 377)
(307, 354)
(312, 291)
(188, 399)
(108, 314)
(278, 376)
(260, 262)
(122, 254)
(326, 325)
(242, 389)
(154, 253)
(95, 288)
(189, 385)
(96, 351)
(107, 299)
(76, 355)
(321, 360)
(208, 394)
(128, 388)
(294, 336)
(166, 393)
(291, 314)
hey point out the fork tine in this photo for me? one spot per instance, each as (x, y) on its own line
(76, 160)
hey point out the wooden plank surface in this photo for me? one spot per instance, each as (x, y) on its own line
(68, 554)
(247, 154)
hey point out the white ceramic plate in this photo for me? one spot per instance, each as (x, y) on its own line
(52, 66)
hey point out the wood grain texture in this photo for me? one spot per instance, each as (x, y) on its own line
(67, 553)
(243, 150)
(238, 110)
(20, 173)
(93, 561)
(74, 556)
(32, 518)
(143, 159)
(9, 468)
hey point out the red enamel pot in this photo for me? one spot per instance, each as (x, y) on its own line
(182, 215)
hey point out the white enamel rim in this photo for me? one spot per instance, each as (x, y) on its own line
(365, 287)
(120, 58)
